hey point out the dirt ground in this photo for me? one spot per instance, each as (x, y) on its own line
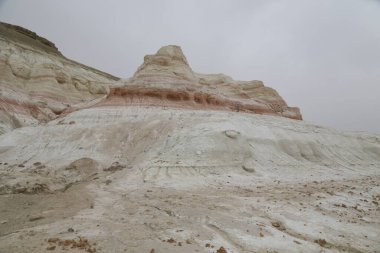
(317, 216)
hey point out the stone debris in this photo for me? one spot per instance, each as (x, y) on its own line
(81, 243)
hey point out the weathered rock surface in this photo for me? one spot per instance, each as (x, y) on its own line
(244, 182)
(37, 83)
(163, 162)
(166, 79)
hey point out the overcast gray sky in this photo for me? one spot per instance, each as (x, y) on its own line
(322, 56)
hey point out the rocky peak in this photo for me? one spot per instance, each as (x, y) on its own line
(166, 79)
(173, 53)
(168, 64)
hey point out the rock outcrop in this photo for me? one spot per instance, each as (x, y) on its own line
(166, 79)
(24, 36)
(37, 83)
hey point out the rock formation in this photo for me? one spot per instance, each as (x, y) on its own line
(171, 161)
(166, 79)
(38, 83)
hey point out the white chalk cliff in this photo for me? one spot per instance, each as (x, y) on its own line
(38, 83)
(170, 160)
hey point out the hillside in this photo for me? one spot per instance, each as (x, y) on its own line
(171, 160)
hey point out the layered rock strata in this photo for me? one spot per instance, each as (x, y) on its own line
(37, 83)
(166, 79)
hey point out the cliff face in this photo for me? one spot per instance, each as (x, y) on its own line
(166, 79)
(37, 83)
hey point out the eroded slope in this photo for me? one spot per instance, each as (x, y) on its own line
(177, 179)
(37, 83)
(165, 79)
(171, 161)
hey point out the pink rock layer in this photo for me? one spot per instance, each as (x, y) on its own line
(188, 99)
